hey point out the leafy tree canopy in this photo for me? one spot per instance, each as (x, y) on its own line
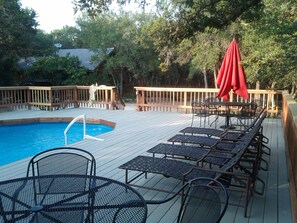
(60, 70)
(18, 38)
(68, 37)
(186, 17)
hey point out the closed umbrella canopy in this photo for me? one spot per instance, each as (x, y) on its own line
(231, 75)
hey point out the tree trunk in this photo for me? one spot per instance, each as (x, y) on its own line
(273, 85)
(215, 74)
(114, 79)
(257, 85)
(205, 78)
(121, 81)
(257, 96)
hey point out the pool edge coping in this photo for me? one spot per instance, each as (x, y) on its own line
(55, 119)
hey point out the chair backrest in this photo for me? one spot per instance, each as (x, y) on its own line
(211, 99)
(259, 117)
(248, 111)
(205, 200)
(64, 160)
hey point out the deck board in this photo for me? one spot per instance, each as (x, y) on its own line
(136, 132)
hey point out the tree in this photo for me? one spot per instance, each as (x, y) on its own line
(59, 70)
(186, 17)
(18, 38)
(270, 46)
(16, 33)
(193, 35)
(203, 53)
(68, 37)
(133, 55)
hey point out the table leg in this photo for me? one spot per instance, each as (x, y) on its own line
(227, 121)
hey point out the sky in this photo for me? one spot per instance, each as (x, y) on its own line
(55, 14)
(52, 14)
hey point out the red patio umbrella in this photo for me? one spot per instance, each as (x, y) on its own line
(231, 75)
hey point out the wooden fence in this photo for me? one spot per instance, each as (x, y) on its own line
(180, 99)
(289, 118)
(58, 97)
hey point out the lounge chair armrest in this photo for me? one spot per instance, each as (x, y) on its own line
(216, 173)
(167, 199)
(214, 146)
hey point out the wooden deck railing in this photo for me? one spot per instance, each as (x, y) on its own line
(180, 99)
(58, 97)
(289, 118)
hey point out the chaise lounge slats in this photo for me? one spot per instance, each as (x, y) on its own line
(194, 153)
(191, 152)
(229, 133)
(202, 131)
(202, 141)
(209, 132)
(166, 167)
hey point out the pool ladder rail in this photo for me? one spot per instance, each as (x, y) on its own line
(84, 129)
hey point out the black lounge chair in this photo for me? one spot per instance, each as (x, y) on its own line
(202, 200)
(201, 155)
(228, 133)
(213, 155)
(180, 151)
(186, 171)
(224, 143)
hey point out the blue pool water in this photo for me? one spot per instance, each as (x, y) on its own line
(25, 140)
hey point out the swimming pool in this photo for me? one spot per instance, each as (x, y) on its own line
(19, 141)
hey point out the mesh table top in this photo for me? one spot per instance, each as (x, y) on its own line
(70, 198)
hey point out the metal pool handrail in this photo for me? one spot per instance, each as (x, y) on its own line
(71, 123)
(84, 129)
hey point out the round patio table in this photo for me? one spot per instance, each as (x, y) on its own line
(70, 198)
(227, 115)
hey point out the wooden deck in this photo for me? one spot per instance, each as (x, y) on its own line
(136, 132)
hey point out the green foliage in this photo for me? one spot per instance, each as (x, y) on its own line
(133, 57)
(197, 15)
(60, 70)
(173, 47)
(95, 7)
(42, 44)
(18, 38)
(68, 37)
(270, 45)
(203, 51)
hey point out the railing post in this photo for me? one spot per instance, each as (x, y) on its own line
(75, 98)
(139, 100)
(29, 98)
(51, 99)
(185, 102)
(112, 98)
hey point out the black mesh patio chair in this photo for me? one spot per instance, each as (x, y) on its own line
(202, 200)
(247, 113)
(200, 111)
(212, 110)
(64, 160)
(60, 161)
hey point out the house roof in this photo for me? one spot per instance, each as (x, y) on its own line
(85, 56)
